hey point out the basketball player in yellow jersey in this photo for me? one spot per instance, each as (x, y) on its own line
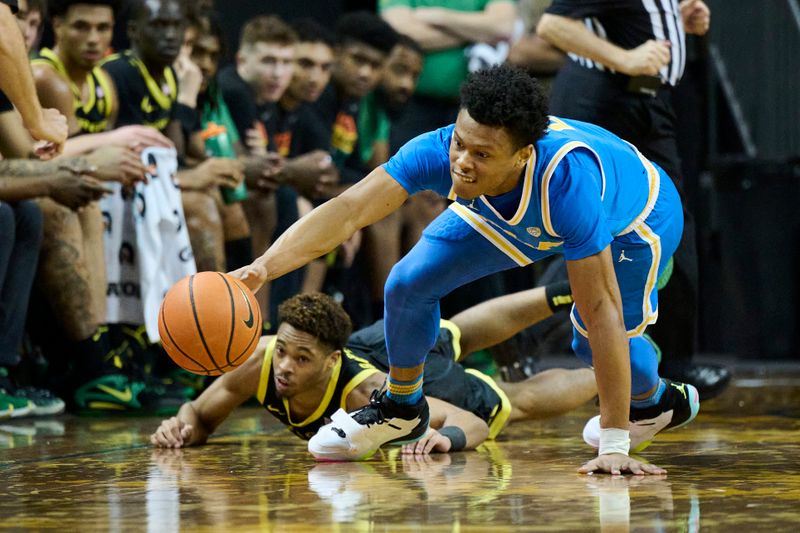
(313, 368)
(71, 263)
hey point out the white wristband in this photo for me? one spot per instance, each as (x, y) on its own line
(614, 440)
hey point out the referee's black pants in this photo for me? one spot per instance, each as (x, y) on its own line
(647, 122)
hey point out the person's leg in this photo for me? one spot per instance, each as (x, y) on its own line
(20, 241)
(204, 222)
(21, 238)
(382, 242)
(238, 243)
(449, 255)
(550, 393)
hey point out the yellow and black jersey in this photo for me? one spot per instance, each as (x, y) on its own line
(141, 99)
(93, 114)
(365, 355)
(349, 372)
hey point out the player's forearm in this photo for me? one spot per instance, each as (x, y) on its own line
(611, 361)
(427, 36)
(572, 36)
(498, 319)
(535, 53)
(16, 79)
(495, 23)
(16, 189)
(200, 431)
(475, 429)
(83, 144)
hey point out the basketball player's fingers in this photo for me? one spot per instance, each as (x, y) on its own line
(160, 440)
(186, 432)
(174, 428)
(589, 466)
(652, 469)
(431, 445)
(167, 437)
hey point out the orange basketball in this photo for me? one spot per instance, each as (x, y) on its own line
(209, 323)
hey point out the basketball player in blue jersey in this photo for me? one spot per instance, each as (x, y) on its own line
(524, 186)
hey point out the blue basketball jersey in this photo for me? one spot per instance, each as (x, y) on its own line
(582, 187)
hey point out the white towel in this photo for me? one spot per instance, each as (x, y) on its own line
(147, 245)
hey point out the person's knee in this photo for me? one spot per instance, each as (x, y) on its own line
(407, 281)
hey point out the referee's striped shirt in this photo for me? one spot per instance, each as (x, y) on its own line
(628, 24)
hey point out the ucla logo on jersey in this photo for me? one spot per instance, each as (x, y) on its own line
(535, 231)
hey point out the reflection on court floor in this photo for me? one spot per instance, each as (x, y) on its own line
(734, 468)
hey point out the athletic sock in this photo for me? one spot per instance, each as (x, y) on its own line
(238, 253)
(405, 392)
(559, 296)
(652, 399)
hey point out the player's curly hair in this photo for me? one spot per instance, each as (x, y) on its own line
(318, 315)
(507, 96)
(368, 28)
(59, 8)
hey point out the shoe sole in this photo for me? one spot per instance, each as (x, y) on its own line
(49, 410)
(694, 408)
(17, 413)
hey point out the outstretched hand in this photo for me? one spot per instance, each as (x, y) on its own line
(253, 275)
(172, 433)
(431, 442)
(617, 463)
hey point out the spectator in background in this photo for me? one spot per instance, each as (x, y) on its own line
(149, 94)
(532, 52)
(20, 239)
(623, 67)
(72, 262)
(47, 126)
(251, 88)
(30, 18)
(444, 29)
(386, 240)
(363, 44)
(309, 168)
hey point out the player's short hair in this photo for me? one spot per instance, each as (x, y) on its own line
(318, 315)
(138, 8)
(507, 96)
(407, 42)
(59, 8)
(310, 31)
(367, 28)
(267, 29)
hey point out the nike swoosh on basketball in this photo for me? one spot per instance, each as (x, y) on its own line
(123, 396)
(249, 321)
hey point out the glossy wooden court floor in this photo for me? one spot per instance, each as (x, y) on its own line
(736, 468)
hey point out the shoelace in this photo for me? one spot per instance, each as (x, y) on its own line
(371, 414)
